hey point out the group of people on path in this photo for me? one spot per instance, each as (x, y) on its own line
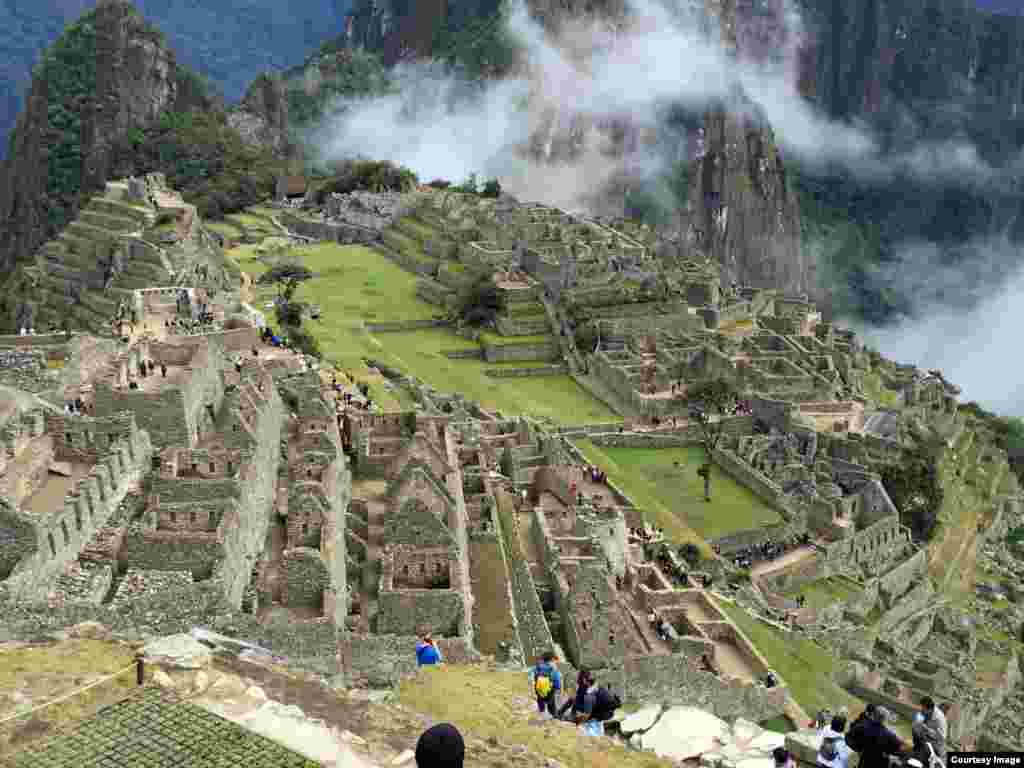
(871, 737)
(590, 706)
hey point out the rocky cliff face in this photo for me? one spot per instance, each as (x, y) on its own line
(109, 72)
(743, 212)
(261, 118)
(872, 56)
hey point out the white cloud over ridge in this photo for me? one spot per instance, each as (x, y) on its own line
(977, 350)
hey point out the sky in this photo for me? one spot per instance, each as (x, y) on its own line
(662, 58)
(1015, 7)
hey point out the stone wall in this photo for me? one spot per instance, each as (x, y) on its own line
(171, 551)
(334, 231)
(306, 578)
(765, 488)
(897, 582)
(172, 414)
(61, 536)
(383, 660)
(406, 325)
(733, 542)
(676, 679)
(405, 611)
(509, 353)
(523, 373)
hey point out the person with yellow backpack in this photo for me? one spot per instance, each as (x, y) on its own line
(546, 682)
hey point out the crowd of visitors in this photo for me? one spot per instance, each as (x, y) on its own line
(591, 705)
(769, 550)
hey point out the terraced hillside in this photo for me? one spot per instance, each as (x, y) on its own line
(116, 244)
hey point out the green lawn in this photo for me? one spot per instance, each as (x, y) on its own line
(354, 285)
(825, 592)
(556, 397)
(675, 495)
(806, 667)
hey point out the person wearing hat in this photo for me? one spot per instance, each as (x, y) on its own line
(440, 746)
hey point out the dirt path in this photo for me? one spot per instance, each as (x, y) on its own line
(790, 558)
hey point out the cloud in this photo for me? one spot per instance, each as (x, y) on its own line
(593, 75)
(963, 325)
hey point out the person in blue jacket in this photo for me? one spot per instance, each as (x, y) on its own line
(427, 652)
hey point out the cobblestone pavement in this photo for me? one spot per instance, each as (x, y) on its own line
(155, 730)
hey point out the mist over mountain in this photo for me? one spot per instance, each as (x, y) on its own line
(228, 41)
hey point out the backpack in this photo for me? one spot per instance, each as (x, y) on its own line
(829, 750)
(855, 734)
(605, 704)
(542, 684)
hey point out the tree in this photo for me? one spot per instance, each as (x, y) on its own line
(913, 485)
(478, 302)
(492, 188)
(287, 277)
(708, 402)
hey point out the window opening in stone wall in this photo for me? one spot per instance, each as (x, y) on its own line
(585, 625)
(53, 545)
(174, 516)
(213, 467)
(64, 528)
(192, 517)
(195, 466)
(611, 639)
(231, 467)
(305, 529)
(405, 570)
(67, 438)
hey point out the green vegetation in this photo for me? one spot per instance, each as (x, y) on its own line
(478, 44)
(672, 496)
(825, 592)
(203, 158)
(345, 74)
(69, 69)
(369, 175)
(356, 285)
(656, 201)
(494, 712)
(807, 668)
(709, 402)
(915, 489)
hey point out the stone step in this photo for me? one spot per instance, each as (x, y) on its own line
(89, 232)
(108, 221)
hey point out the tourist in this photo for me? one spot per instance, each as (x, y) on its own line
(440, 746)
(546, 683)
(427, 652)
(930, 727)
(782, 758)
(834, 752)
(583, 682)
(661, 628)
(599, 704)
(770, 680)
(874, 740)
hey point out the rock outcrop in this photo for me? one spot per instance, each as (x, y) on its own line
(261, 118)
(110, 72)
(744, 213)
